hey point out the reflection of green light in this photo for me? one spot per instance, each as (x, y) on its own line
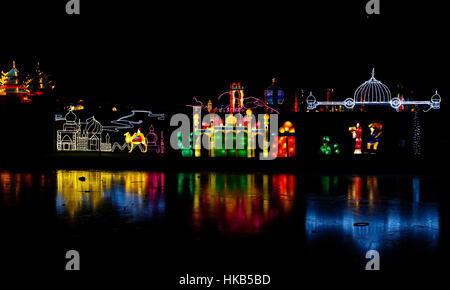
(242, 182)
(325, 180)
(180, 182)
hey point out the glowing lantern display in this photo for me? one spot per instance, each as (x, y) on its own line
(327, 148)
(286, 140)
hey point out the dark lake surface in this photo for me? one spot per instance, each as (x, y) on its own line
(176, 222)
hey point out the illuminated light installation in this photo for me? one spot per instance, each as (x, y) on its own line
(11, 86)
(273, 95)
(357, 135)
(80, 136)
(374, 92)
(242, 133)
(286, 140)
(136, 139)
(152, 141)
(417, 134)
(236, 97)
(126, 122)
(327, 148)
(18, 87)
(39, 83)
(88, 136)
(252, 103)
(185, 152)
(375, 133)
(238, 129)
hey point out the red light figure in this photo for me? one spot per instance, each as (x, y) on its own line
(357, 134)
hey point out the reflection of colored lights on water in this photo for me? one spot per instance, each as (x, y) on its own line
(12, 186)
(137, 194)
(237, 202)
(354, 190)
(388, 222)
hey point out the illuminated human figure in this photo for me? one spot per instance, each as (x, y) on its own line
(375, 133)
(357, 135)
(136, 139)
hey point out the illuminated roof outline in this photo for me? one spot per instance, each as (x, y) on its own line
(374, 92)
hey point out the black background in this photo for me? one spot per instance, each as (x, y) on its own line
(164, 53)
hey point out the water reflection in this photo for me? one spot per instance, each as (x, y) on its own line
(138, 195)
(237, 203)
(390, 220)
(17, 188)
(396, 208)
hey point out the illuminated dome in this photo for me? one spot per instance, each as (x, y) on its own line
(436, 98)
(94, 127)
(71, 117)
(372, 91)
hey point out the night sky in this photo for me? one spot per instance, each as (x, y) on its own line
(165, 54)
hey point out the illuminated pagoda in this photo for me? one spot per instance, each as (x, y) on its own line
(17, 87)
(39, 83)
(12, 88)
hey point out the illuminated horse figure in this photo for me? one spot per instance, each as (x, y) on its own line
(136, 139)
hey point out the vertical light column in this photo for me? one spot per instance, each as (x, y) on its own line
(250, 151)
(197, 135)
(266, 136)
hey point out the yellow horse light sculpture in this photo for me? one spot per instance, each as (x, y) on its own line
(136, 139)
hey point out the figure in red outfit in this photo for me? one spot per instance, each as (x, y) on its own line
(357, 134)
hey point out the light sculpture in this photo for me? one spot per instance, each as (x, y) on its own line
(327, 148)
(81, 136)
(375, 133)
(374, 92)
(286, 140)
(136, 139)
(357, 135)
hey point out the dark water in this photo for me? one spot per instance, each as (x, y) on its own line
(252, 221)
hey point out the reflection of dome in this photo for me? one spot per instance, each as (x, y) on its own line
(372, 91)
(94, 127)
(71, 117)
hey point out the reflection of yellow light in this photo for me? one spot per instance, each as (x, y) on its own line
(76, 194)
